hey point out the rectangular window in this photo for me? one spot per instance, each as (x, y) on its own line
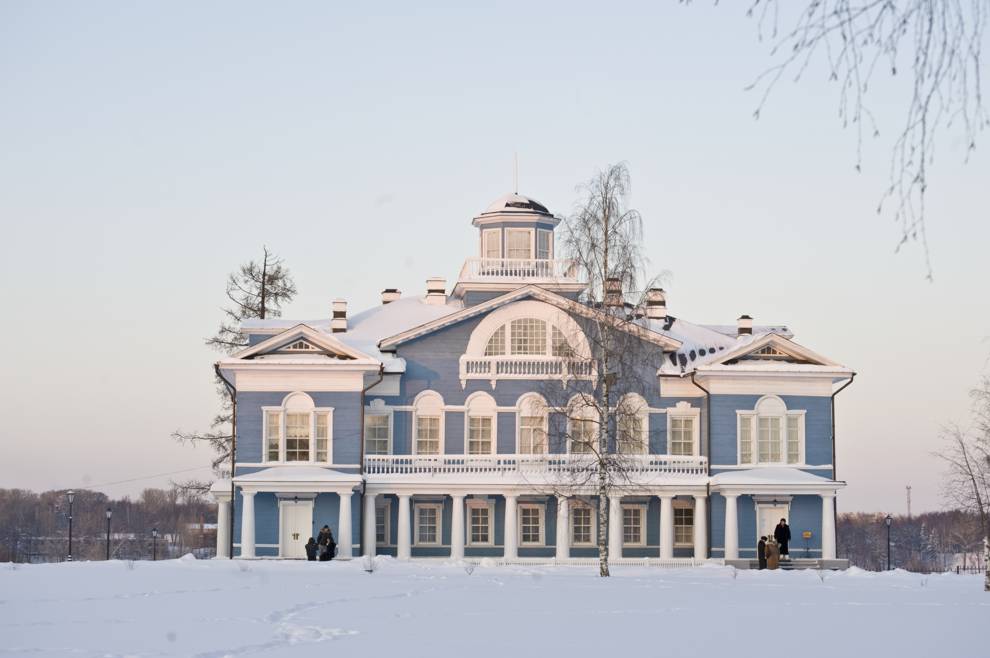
(531, 525)
(480, 520)
(519, 243)
(582, 531)
(632, 526)
(297, 437)
(382, 514)
(528, 336)
(532, 436)
(544, 244)
(793, 439)
(745, 439)
(273, 432)
(681, 436)
(768, 442)
(683, 525)
(492, 243)
(584, 436)
(427, 435)
(322, 436)
(479, 435)
(376, 431)
(428, 524)
(631, 437)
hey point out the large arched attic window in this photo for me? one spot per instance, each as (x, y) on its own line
(528, 337)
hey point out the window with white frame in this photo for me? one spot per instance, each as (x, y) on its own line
(532, 425)
(496, 344)
(632, 422)
(297, 431)
(582, 525)
(428, 424)
(519, 243)
(531, 524)
(481, 520)
(584, 435)
(683, 526)
(633, 525)
(681, 435)
(491, 243)
(428, 520)
(529, 337)
(771, 434)
(382, 519)
(377, 434)
(481, 411)
(544, 244)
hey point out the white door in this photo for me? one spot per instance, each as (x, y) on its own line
(295, 527)
(768, 516)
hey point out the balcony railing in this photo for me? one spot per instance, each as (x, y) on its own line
(528, 464)
(519, 269)
(494, 368)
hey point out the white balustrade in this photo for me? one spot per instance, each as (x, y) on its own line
(520, 269)
(525, 367)
(527, 464)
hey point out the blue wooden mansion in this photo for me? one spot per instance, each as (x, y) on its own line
(424, 427)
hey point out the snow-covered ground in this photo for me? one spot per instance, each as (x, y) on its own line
(267, 608)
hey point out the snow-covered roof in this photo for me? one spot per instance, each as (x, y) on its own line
(773, 480)
(516, 203)
(297, 474)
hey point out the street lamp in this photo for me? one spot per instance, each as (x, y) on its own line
(154, 544)
(887, 521)
(70, 494)
(109, 514)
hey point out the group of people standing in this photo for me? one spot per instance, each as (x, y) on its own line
(770, 551)
(323, 548)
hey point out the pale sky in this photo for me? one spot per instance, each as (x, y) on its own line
(148, 149)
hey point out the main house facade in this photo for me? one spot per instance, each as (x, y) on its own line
(443, 424)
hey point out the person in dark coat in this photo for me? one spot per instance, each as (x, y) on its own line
(782, 533)
(311, 550)
(327, 546)
(761, 552)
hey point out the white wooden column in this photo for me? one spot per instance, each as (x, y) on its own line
(370, 535)
(247, 524)
(511, 550)
(457, 527)
(404, 546)
(666, 527)
(563, 532)
(828, 526)
(700, 527)
(731, 527)
(223, 528)
(344, 533)
(615, 526)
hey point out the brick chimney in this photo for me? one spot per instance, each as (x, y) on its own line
(744, 325)
(436, 290)
(613, 292)
(389, 295)
(656, 304)
(338, 320)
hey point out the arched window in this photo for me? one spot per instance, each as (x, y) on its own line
(297, 431)
(632, 418)
(582, 426)
(770, 434)
(528, 337)
(427, 423)
(480, 424)
(531, 425)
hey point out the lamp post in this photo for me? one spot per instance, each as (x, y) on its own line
(887, 521)
(109, 514)
(154, 544)
(70, 494)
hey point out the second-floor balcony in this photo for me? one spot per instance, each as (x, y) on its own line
(530, 465)
(524, 270)
(494, 368)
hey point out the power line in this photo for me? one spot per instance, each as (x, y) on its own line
(138, 479)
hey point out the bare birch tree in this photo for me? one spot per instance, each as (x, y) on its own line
(939, 42)
(255, 290)
(967, 455)
(601, 422)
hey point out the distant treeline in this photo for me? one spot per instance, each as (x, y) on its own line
(34, 527)
(933, 541)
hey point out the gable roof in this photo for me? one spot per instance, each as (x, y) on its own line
(777, 342)
(524, 292)
(312, 336)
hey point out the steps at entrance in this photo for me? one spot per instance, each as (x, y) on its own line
(793, 564)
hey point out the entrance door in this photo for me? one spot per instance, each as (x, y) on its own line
(295, 527)
(768, 515)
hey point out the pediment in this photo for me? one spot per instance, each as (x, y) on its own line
(302, 341)
(771, 349)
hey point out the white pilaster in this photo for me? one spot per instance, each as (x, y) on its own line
(666, 527)
(731, 527)
(457, 527)
(615, 526)
(404, 546)
(247, 524)
(563, 528)
(511, 550)
(370, 536)
(700, 527)
(223, 528)
(344, 532)
(828, 526)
